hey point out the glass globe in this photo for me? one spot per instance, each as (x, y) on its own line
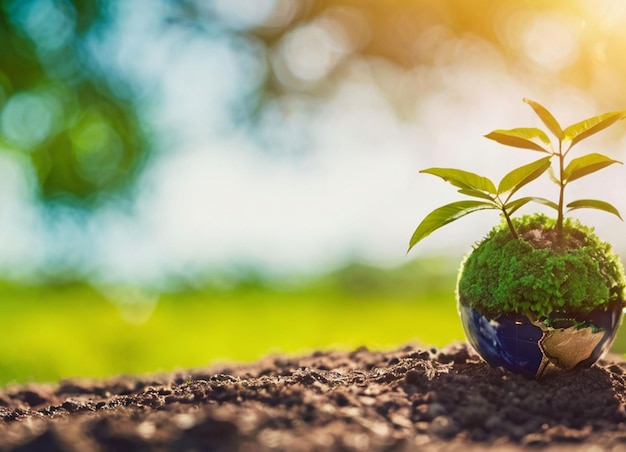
(535, 348)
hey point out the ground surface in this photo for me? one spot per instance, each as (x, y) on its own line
(406, 399)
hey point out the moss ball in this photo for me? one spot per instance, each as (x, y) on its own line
(538, 273)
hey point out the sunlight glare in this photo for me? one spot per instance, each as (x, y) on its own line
(610, 14)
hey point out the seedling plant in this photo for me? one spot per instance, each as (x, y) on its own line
(561, 168)
(537, 294)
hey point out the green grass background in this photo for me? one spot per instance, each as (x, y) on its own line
(53, 332)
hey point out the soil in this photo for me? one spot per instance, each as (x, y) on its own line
(405, 399)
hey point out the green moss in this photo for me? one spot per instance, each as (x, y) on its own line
(531, 274)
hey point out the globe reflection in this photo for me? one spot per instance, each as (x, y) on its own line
(535, 348)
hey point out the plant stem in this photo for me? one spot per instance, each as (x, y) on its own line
(559, 219)
(510, 224)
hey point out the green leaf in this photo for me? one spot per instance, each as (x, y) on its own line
(593, 204)
(522, 137)
(444, 215)
(476, 194)
(512, 206)
(523, 175)
(588, 127)
(551, 123)
(587, 164)
(463, 179)
(553, 177)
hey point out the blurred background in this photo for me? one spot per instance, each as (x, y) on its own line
(189, 181)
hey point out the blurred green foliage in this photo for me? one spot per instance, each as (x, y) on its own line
(81, 128)
(57, 108)
(74, 330)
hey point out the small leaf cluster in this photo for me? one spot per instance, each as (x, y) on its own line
(504, 275)
(486, 195)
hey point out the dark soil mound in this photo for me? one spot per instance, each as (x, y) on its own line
(407, 399)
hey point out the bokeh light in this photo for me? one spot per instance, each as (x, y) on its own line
(551, 42)
(158, 140)
(50, 24)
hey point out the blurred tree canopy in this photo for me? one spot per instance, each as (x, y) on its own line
(57, 108)
(85, 139)
(310, 43)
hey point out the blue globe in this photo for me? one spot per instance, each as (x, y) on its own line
(535, 348)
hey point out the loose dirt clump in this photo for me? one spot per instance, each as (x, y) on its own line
(405, 399)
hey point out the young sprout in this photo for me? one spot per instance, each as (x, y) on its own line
(487, 196)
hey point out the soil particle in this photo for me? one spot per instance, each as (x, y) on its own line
(405, 399)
